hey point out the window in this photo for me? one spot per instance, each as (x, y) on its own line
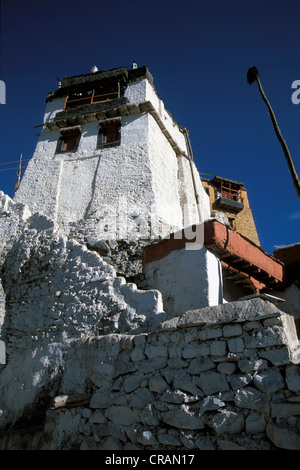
(97, 94)
(69, 140)
(228, 195)
(109, 133)
(80, 98)
(229, 190)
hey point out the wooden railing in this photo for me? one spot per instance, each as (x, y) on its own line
(232, 195)
(93, 98)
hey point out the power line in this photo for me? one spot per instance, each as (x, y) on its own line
(16, 161)
(11, 169)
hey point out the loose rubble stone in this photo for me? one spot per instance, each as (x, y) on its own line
(283, 437)
(88, 443)
(210, 403)
(146, 438)
(182, 418)
(97, 417)
(132, 382)
(198, 365)
(211, 382)
(293, 378)
(204, 443)
(252, 399)
(122, 415)
(157, 384)
(236, 345)
(284, 410)
(101, 398)
(277, 357)
(269, 381)
(252, 365)
(110, 444)
(218, 348)
(228, 445)
(168, 440)
(232, 330)
(149, 416)
(227, 368)
(227, 422)
(255, 423)
(141, 398)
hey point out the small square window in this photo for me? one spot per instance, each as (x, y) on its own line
(69, 140)
(109, 134)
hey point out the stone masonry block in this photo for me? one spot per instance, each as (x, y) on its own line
(218, 348)
(236, 345)
(232, 330)
(212, 382)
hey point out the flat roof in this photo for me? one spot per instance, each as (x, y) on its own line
(119, 73)
(219, 178)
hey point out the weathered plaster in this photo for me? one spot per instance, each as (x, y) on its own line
(187, 279)
(142, 175)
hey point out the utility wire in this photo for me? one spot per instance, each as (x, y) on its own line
(11, 169)
(15, 161)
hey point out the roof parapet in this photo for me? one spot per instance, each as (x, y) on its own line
(121, 73)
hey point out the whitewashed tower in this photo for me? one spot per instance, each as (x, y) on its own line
(111, 161)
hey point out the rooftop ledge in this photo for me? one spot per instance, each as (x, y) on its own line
(121, 73)
(110, 109)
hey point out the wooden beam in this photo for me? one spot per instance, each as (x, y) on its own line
(70, 401)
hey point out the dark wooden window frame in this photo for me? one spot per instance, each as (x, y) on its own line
(229, 191)
(69, 140)
(109, 133)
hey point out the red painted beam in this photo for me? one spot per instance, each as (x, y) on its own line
(265, 267)
(239, 253)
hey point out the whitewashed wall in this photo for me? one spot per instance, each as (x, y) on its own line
(187, 279)
(113, 188)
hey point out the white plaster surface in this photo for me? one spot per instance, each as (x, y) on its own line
(110, 188)
(187, 279)
(57, 291)
(291, 295)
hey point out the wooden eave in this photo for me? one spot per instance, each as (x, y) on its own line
(242, 261)
(242, 257)
(96, 112)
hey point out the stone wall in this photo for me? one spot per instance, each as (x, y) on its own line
(52, 291)
(206, 380)
(220, 378)
(95, 363)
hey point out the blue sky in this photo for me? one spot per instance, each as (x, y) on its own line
(198, 52)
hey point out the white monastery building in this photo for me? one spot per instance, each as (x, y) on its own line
(111, 161)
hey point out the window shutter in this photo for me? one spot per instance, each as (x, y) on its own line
(69, 139)
(71, 143)
(111, 134)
